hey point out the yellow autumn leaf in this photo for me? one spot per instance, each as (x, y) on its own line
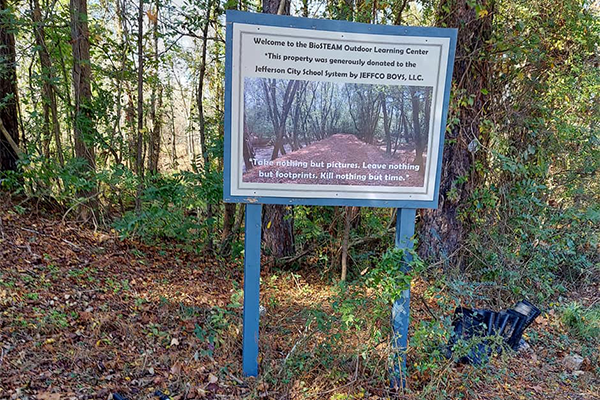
(152, 16)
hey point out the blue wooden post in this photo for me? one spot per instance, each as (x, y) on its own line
(405, 230)
(251, 289)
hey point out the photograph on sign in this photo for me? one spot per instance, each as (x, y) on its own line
(321, 114)
(335, 136)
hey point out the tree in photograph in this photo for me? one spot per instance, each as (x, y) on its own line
(247, 148)
(306, 107)
(279, 113)
(396, 124)
(9, 129)
(326, 111)
(84, 121)
(296, 118)
(420, 121)
(364, 102)
(441, 231)
(387, 121)
(257, 126)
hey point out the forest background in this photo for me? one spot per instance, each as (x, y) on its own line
(112, 117)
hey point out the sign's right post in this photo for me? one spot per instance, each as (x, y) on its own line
(405, 230)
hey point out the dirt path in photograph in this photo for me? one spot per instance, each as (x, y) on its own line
(340, 159)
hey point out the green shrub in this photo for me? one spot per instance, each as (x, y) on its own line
(584, 323)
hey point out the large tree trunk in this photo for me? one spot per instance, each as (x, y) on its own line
(84, 121)
(278, 230)
(9, 128)
(228, 223)
(278, 221)
(440, 231)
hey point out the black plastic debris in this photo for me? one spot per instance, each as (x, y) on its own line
(117, 396)
(481, 328)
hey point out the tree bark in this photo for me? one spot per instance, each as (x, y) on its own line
(227, 233)
(202, 120)
(278, 230)
(50, 109)
(156, 139)
(156, 97)
(239, 219)
(200, 90)
(281, 7)
(440, 231)
(345, 241)
(139, 161)
(278, 220)
(173, 133)
(128, 147)
(70, 118)
(83, 117)
(8, 93)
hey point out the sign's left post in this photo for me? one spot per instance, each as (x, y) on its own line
(251, 288)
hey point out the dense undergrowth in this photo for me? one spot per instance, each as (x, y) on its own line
(141, 317)
(521, 247)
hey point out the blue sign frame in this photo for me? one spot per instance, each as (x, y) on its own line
(333, 26)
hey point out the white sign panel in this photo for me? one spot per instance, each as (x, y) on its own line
(320, 114)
